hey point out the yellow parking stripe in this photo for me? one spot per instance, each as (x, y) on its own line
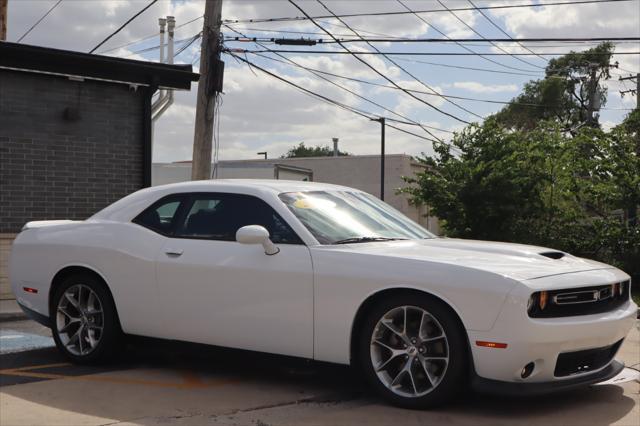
(38, 367)
(190, 379)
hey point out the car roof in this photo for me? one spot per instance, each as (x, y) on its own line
(126, 208)
(275, 185)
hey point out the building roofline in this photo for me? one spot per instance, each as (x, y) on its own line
(23, 57)
(277, 160)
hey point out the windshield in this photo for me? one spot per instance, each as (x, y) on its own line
(337, 217)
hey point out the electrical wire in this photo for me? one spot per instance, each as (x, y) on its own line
(497, 46)
(430, 25)
(348, 51)
(152, 48)
(402, 69)
(188, 44)
(359, 53)
(438, 64)
(315, 95)
(38, 21)
(485, 40)
(492, 22)
(156, 34)
(460, 9)
(357, 80)
(321, 76)
(123, 25)
(216, 136)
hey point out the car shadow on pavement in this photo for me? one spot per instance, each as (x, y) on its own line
(213, 381)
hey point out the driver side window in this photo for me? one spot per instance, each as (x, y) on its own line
(219, 216)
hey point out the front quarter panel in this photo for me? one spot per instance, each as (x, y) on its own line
(344, 280)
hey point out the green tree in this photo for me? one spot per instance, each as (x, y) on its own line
(539, 186)
(301, 150)
(572, 82)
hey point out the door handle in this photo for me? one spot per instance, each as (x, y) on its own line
(173, 251)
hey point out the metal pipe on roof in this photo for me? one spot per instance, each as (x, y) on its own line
(165, 99)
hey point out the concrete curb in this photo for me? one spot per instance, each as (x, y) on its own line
(12, 316)
(10, 311)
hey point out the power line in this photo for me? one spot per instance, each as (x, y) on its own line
(402, 69)
(359, 53)
(459, 9)
(156, 34)
(422, 92)
(482, 42)
(123, 25)
(374, 69)
(38, 21)
(319, 75)
(156, 47)
(458, 43)
(188, 44)
(492, 22)
(481, 36)
(246, 38)
(357, 111)
(437, 64)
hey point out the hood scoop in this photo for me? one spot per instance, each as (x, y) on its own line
(552, 254)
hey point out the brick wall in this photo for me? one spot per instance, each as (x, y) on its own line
(67, 148)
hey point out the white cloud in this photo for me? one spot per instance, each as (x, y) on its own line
(473, 86)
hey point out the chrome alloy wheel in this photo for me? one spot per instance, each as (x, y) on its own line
(79, 320)
(409, 351)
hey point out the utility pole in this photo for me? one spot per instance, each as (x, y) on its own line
(3, 19)
(207, 90)
(632, 91)
(593, 92)
(381, 120)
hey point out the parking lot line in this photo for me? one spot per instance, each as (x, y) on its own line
(38, 367)
(189, 379)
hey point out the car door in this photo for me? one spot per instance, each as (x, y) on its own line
(217, 291)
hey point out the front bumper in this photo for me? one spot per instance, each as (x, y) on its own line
(542, 340)
(497, 387)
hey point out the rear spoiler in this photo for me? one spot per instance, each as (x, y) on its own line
(44, 223)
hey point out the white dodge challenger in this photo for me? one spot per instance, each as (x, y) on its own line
(327, 273)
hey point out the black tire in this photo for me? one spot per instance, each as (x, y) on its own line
(453, 381)
(111, 335)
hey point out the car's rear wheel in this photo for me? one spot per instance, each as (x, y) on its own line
(413, 351)
(84, 320)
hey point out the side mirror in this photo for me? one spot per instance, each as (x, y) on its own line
(256, 234)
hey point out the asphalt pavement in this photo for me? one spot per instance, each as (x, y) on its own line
(170, 383)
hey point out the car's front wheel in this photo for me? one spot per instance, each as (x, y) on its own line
(84, 320)
(413, 350)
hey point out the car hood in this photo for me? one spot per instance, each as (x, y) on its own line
(519, 261)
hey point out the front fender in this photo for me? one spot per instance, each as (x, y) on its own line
(344, 281)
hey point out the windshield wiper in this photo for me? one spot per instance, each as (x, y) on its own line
(365, 240)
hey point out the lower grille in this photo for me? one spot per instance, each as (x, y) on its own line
(583, 361)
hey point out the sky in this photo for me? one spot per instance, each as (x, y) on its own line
(260, 113)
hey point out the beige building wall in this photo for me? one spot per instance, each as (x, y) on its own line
(5, 248)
